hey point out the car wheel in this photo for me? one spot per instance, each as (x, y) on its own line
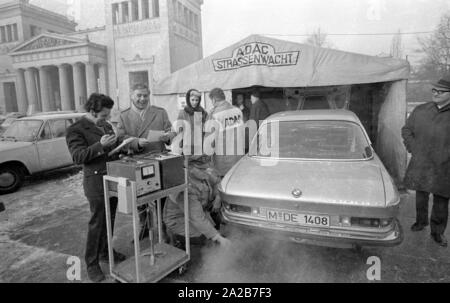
(11, 179)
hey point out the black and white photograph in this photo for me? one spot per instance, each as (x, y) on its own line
(210, 142)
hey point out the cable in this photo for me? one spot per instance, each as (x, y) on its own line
(351, 34)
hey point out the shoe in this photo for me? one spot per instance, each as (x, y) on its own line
(118, 258)
(440, 239)
(95, 273)
(418, 227)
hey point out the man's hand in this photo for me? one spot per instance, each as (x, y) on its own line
(165, 138)
(108, 140)
(225, 243)
(143, 142)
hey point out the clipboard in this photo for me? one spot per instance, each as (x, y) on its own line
(154, 135)
(125, 143)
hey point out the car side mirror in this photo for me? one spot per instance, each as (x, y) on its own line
(368, 151)
(2, 207)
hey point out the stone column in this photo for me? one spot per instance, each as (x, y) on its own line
(130, 11)
(91, 79)
(141, 9)
(120, 7)
(150, 8)
(103, 75)
(22, 102)
(31, 89)
(45, 94)
(78, 87)
(64, 90)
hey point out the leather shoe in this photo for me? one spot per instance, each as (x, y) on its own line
(418, 227)
(95, 273)
(440, 239)
(118, 257)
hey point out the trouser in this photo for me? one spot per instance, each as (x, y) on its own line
(143, 218)
(439, 212)
(97, 241)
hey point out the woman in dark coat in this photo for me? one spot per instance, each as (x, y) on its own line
(427, 137)
(196, 116)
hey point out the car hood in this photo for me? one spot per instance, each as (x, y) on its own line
(358, 183)
(11, 145)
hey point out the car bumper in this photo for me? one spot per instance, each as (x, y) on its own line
(331, 237)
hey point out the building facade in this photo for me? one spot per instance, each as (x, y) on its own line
(57, 68)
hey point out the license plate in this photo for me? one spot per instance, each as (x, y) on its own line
(296, 218)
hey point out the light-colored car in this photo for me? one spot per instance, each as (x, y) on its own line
(9, 119)
(32, 145)
(322, 185)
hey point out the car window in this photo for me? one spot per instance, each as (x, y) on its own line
(8, 122)
(314, 140)
(23, 130)
(58, 127)
(316, 102)
(46, 133)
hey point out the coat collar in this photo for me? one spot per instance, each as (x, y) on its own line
(443, 109)
(89, 125)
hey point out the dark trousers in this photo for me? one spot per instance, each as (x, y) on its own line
(97, 241)
(439, 212)
(143, 217)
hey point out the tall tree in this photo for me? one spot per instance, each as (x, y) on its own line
(319, 38)
(436, 49)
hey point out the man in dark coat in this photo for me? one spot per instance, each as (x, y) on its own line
(90, 140)
(427, 137)
(259, 111)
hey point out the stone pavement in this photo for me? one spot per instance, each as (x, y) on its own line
(45, 223)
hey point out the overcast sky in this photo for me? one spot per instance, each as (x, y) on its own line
(228, 21)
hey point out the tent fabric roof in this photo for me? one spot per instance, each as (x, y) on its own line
(262, 61)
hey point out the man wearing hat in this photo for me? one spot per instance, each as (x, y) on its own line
(427, 137)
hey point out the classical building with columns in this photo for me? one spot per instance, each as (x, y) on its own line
(58, 68)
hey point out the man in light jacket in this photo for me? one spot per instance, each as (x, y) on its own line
(137, 121)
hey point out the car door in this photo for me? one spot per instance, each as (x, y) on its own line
(52, 147)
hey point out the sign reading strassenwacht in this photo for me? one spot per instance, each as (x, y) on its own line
(256, 53)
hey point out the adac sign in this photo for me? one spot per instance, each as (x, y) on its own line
(256, 53)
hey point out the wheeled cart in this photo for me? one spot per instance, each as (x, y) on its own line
(153, 264)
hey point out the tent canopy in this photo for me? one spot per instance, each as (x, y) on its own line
(263, 61)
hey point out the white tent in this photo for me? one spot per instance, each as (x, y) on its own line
(273, 63)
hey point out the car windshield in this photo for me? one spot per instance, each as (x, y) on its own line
(337, 140)
(23, 130)
(8, 122)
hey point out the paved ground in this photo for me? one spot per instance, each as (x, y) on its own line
(45, 223)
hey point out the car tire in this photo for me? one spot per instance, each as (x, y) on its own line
(14, 179)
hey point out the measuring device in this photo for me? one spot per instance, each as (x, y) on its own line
(143, 180)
